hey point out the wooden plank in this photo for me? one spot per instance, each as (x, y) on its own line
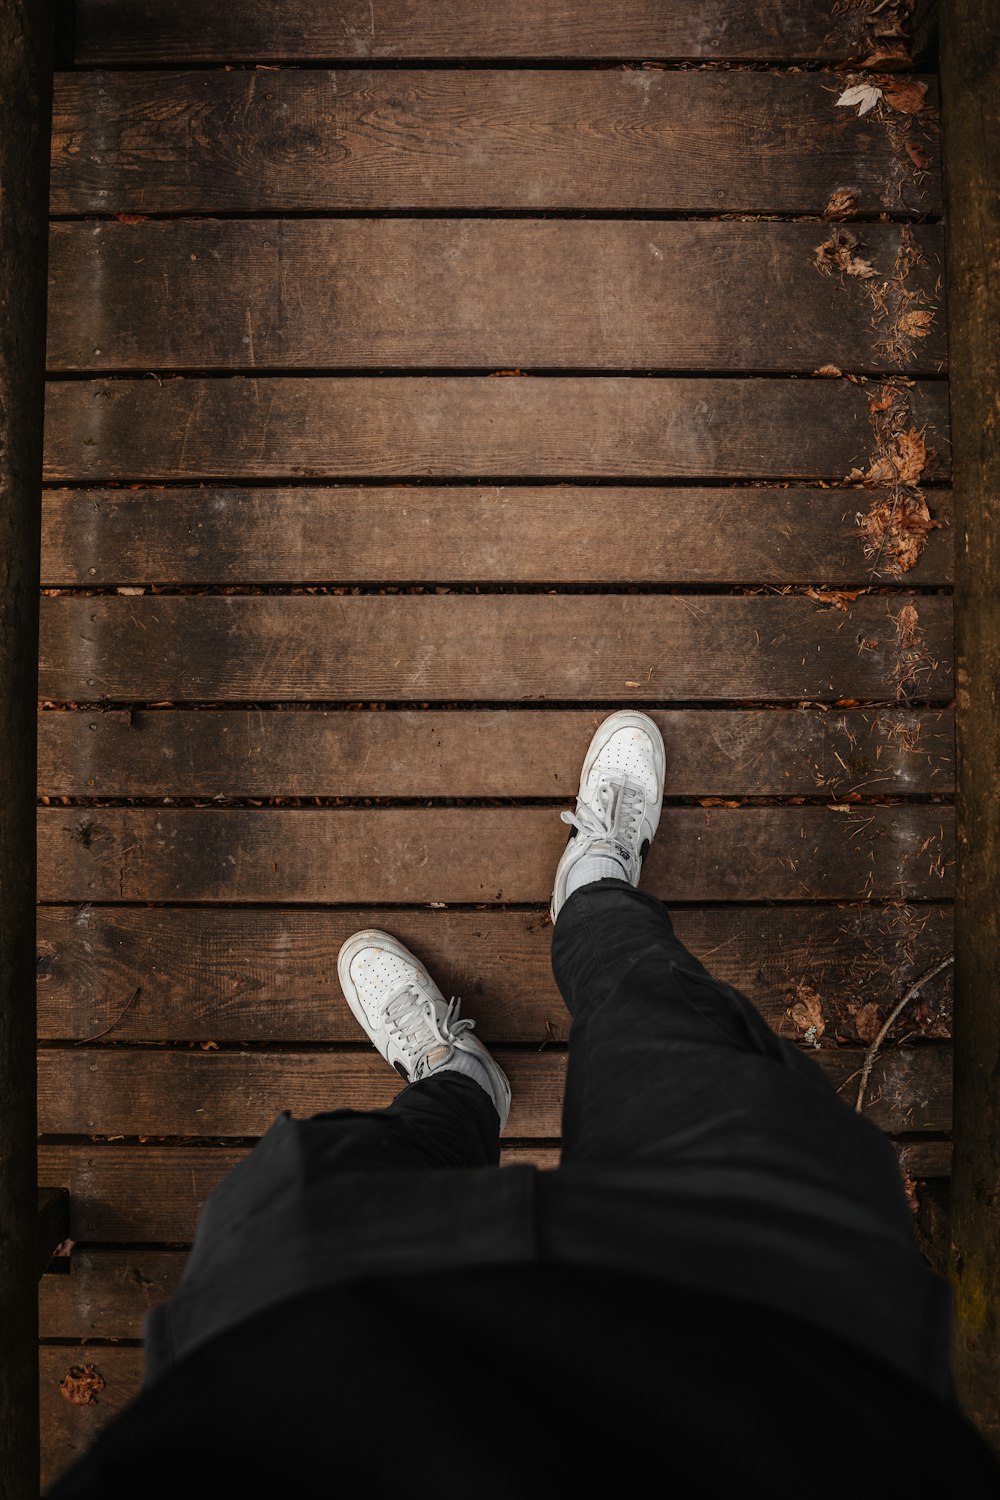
(482, 854)
(490, 648)
(106, 1293)
(128, 1193)
(505, 534)
(140, 31)
(300, 294)
(558, 427)
(483, 752)
(69, 1429)
(613, 139)
(270, 974)
(25, 113)
(119, 1091)
(970, 42)
(151, 1192)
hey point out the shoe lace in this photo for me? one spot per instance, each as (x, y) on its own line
(410, 1014)
(618, 811)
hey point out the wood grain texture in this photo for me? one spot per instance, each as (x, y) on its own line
(484, 753)
(623, 648)
(558, 427)
(140, 31)
(612, 139)
(970, 48)
(68, 1430)
(270, 974)
(111, 1091)
(486, 293)
(515, 534)
(481, 854)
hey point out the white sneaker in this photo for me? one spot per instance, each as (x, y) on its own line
(619, 801)
(406, 1015)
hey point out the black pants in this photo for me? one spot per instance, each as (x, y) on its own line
(698, 1146)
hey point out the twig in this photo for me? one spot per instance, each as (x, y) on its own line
(82, 1041)
(872, 1052)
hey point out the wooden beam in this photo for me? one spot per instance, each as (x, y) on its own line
(53, 1222)
(970, 77)
(25, 111)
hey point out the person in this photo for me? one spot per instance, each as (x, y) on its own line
(719, 1285)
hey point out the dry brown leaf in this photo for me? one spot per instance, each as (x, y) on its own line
(867, 1022)
(839, 598)
(907, 625)
(895, 56)
(916, 324)
(841, 204)
(80, 1385)
(917, 154)
(806, 1013)
(830, 372)
(838, 254)
(908, 96)
(910, 457)
(880, 403)
(130, 218)
(898, 531)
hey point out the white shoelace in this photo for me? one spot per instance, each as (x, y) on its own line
(410, 1015)
(616, 818)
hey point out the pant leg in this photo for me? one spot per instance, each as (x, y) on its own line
(444, 1121)
(723, 1153)
(341, 1194)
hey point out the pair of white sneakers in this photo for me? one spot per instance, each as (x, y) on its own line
(394, 997)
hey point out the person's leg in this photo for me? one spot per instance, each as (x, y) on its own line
(723, 1153)
(334, 1194)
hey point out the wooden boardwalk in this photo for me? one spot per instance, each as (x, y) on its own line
(423, 387)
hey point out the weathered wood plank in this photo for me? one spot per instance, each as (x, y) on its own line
(970, 48)
(558, 427)
(140, 31)
(622, 648)
(481, 854)
(112, 1091)
(301, 294)
(270, 974)
(483, 752)
(515, 534)
(69, 1429)
(126, 1193)
(614, 139)
(106, 1293)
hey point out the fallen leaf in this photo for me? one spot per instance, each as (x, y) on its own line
(864, 95)
(910, 457)
(131, 591)
(841, 204)
(838, 254)
(880, 403)
(867, 1022)
(130, 218)
(917, 154)
(916, 324)
(806, 1013)
(908, 96)
(839, 598)
(829, 372)
(80, 1386)
(898, 531)
(895, 56)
